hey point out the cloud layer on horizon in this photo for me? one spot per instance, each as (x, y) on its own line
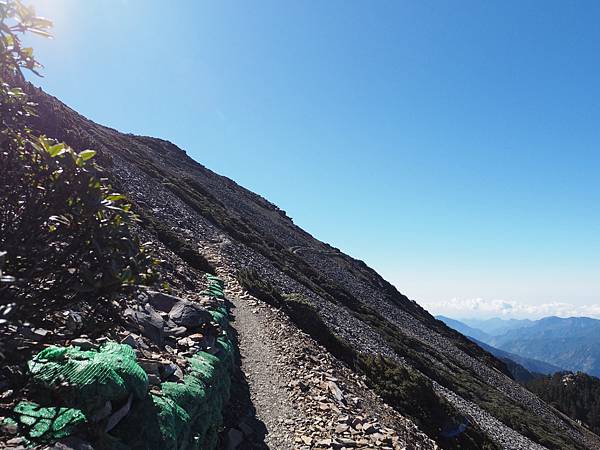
(478, 307)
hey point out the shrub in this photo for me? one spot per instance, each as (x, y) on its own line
(64, 234)
(256, 286)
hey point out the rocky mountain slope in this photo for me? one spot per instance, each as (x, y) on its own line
(325, 341)
(576, 394)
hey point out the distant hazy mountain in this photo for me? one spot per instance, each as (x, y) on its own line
(523, 369)
(572, 343)
(465, 329)
(497, 326)
(533, 366)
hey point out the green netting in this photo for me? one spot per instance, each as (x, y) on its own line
(215, 287)
(185, 415)
(46, 424)
(220, 315)
(89, 378)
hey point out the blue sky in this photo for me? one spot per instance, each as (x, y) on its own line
(453, 146)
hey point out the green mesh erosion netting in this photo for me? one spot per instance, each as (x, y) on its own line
(186, 415)
(82, 382)
(182, 416)
(215, 287)
(45, 424)
(87, 379)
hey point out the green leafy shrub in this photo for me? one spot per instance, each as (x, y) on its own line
(64, 234)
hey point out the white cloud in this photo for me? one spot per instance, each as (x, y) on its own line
(478, 307)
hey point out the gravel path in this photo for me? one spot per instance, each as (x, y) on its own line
(298, 392)
(265, 376)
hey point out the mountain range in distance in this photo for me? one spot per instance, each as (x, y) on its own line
(542, 346)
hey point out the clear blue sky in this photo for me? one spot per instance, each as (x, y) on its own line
(454, 146)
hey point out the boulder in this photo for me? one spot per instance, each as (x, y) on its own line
(189, 315)
(149, 322)
(161, 301)
(234, 438)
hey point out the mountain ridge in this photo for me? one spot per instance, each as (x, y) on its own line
(361, 312)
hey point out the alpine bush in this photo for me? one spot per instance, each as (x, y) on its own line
(65, 236)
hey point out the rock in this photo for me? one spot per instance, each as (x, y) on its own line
(74, 321)
(153, 380)
(306, 439)
(149, 322)
(234, 439)
(8, 428)
(188, 314)
(185, 342)
(71, 443)
(369, 428)
(176, 331)
(150, 366)
(84, 344)
(6, 394)
(170, 369)
(335, 391)
(377, 437)
(178, 374)
(197, 337)
(40, 333)
(130, 340)
(347, 442)
(161, 301)
(341, 428)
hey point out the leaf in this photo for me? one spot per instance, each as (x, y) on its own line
(115, 197)
(40, 32)
(55, 150)
(87, 154)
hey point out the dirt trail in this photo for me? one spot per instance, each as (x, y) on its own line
(301, 396)
(265, 375)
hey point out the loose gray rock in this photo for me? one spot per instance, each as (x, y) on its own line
(84, 344)
(189, 315)
(234, 439)
(72, 443)
(161, 301)
(130, 340)
(149, 322)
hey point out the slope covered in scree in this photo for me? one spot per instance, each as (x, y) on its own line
(457, 393)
